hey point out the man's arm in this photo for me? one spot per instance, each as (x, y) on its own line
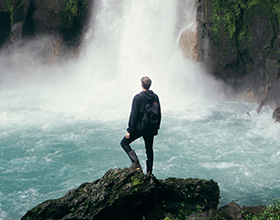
(134, 116)
(159, 119)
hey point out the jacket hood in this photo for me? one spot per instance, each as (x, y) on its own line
(149, 95)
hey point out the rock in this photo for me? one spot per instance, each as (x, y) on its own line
(47, 16)
(5, 27)
(231, 211)
(238, 42)
(276, 114)
(188, 43)
(16, 31)
(253, 209)
(125, 194)
(20, 19)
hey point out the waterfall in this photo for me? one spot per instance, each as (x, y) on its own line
(130, 39)
(125, 41)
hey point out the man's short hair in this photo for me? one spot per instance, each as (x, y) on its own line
(146, 82)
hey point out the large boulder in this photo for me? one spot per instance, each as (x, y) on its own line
(125, 194)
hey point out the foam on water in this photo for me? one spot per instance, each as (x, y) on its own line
(40, 161)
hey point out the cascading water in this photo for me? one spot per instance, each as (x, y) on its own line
(61, 126)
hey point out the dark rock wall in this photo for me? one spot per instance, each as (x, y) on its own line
(5, 27)
(20, 19)
(240, 44)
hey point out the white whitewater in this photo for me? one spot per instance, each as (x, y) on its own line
(125, 41)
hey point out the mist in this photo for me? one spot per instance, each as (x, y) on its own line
(123, 43)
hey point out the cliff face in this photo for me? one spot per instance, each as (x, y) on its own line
(21, 19)
(239, 42)
(125, 194)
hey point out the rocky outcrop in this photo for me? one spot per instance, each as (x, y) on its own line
(64, 19)
(125, 194)
(239, 42)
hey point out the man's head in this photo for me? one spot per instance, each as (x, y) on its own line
(146, 82)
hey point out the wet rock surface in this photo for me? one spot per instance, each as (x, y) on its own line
(125, 194)
(20, 19)
(239, 43)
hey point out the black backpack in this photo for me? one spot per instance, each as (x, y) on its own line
(150, 118)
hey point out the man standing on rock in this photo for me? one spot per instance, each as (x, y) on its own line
(144, 121)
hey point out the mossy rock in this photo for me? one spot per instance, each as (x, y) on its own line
(126, 194)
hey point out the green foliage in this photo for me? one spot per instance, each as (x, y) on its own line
(183, 212)
(73, 9)
(225, 15)
(276, 9)
(252, 3)
(230, 18)
(271, 212)
(10, 7)
(136, 181)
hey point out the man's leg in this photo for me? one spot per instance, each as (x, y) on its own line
(131, 153)
(149, 140)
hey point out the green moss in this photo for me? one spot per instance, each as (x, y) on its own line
(136, 181)
(10, 8)
(73, 9)
(230, 18)
(252, 3)
(231, 25)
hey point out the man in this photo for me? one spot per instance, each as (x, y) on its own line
(135, 129)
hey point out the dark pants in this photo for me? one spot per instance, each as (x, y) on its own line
(149, 140)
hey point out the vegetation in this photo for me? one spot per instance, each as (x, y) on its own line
(234, 26)
(231, 18)
(75, 9)
(10, 8)
(271, 212)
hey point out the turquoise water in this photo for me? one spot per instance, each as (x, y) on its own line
(45, 153)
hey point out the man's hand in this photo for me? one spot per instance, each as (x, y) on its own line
(127, 135)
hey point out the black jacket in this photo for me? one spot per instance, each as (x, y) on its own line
(138, 106)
